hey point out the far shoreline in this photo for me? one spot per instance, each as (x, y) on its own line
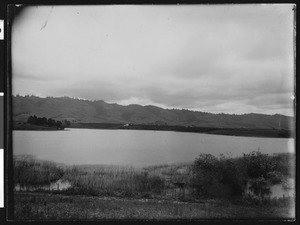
(237, 132)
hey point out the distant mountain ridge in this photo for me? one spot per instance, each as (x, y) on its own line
(86, 111)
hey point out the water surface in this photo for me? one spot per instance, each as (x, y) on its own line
(137, 147)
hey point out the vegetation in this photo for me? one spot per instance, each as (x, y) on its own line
(113, 181)
(221, 179)
(36, 206)
(252, 132)
(43, 121)
(229, 177)
(207, 177)
(31, 172)
(87, 113)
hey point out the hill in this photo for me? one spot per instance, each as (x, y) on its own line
(85, 111)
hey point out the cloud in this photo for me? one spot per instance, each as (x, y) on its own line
(235, 58)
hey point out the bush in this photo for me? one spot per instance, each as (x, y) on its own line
(206, 175)
(29, 171)
(258, 164)
(228, 177)
(233, 175)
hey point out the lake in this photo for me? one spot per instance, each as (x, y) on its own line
(137, 148)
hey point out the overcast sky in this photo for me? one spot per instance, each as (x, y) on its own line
(216, 58)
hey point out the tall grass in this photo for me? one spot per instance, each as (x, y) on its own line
(29, 171)
(207, 177)
(113, 181)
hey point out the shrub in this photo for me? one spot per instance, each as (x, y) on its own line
(258, 164)
(233, 175)
(206, 175)
(228, 177)
(29, 171)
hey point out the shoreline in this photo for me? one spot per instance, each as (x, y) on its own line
(237, 132)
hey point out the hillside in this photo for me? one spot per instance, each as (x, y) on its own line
(85, 111)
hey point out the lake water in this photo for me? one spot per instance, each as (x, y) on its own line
(137, 147)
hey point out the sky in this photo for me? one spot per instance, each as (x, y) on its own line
(212, 58)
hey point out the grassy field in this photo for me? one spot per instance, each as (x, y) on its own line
(42, 206)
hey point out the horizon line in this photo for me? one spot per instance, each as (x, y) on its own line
(165, 108)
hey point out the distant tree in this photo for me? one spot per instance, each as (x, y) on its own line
(66, 123)
(43, 121)
(39, 121)
(30, 120)
(59, 124)
(51, 123)
(35, 119)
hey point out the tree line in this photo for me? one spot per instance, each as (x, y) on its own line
(43, 121)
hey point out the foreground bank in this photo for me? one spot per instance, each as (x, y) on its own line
(211, 187)
(37, 206)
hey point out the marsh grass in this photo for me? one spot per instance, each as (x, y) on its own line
(112, 181)
(124, 192)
